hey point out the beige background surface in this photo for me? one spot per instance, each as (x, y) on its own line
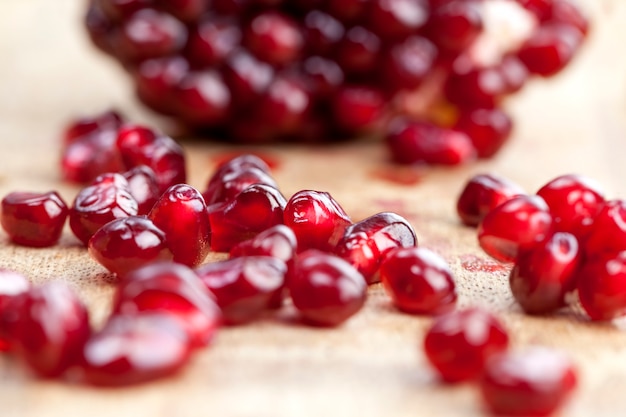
(372, 366)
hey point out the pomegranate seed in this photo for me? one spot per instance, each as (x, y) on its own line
(483, 193)
(543, 275)
(602, 286)
(348, 10)
(140, 145)
(107, 198)
(322, 32)
(173, 289)
(608, 230)
(156, 80)
(325, 289)
(477, 87)
(247, 78)
(357, 108)
(99, 26)
(127, 243)
(120, 9)
(85, 126)
(534, 382)
(414, 142)
(455, 25)
(406, 64)
(277, 242)
(144, 187)
(514, 72)
(33, 219)
(564, 11)
(366, 243)
(324, 77)
(181, 214)
(574, 201)
(202, 98)
(186, 10)
(12, 286)
(274, 38)
(392, 19)
(253, 210)
(488, 129)
(459, 343)
(358, 51)
(149, 34)
(519, 223)
(232, 178)
(550, 49)
(92, 155)
(244, 287)
(51, 329)
(212, 41)
(284, 105)
(317, 220)
(135, 348)
(418, 281)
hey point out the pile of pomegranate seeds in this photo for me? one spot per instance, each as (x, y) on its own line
(566, 238)
(258, 71)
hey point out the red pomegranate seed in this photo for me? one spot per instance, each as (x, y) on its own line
(278, 242)
(284, 105)
(608, 229)
(518, 224)
(253, 210)
(534, 382)
(323, 76)
(78, 129)
(459, 343)
(550, 48)
(156, 80)
(231, 179)
(171, 289)
(564, 11)
(322, 32)
(366, 243)
(51, 329)
(140, 145)
(273, 37)
(317, 219)
(407, 64)
(135, 348)
(543, 275)
(12, 286)
(514, 72)
(455, 25)
(202, 98)
(99, 26)
(418, 281)
(212, 41)
(393, 19)
(247, 78)
(477, 87)
(483, 193)
(107, 198)
(149, 34)
(415, 142)
(92, 155)
(348, 11)
(358, 108)
(181, 214)
(602, 286)
(244, 287)
(358, 51)
(488, 129)
(144, 187)
(120, 9)
(127, 243)
(325, 289)
(574, 202)
(186, 10)
(33, 219)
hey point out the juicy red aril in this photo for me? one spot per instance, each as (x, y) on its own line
(394, 19)
(454, 26)
(78, 129)
(322, 32)
(574, 201)
(365, 244)
(181, 214)
(226, 183)
(120, 9)
(144, 187)
(608, 230)
(358, 50)
(325, 289)
(483, 193)
(89, 156)
(171, 289)
(33, 219)
(413, 142)
(135, 348)
(107, 198)
(156, 81)
(602, 286)
(358, 108)
(564, 11)
(12, 286)
(278, 242)
(253, 210)
(317, 219)
(212, 41)
(407, 64)
(140, 145)
(51, 329)
(550, 49)
(488, 129)
(517, 224)
(247, 78)
(149, 34)
(284, 105)
(418, 281)
(476, 87)
(244, 287)
(274, 38)
(202, 98)
(127, 243)
(459, 343)
(533, 382)
(323, 76)
(543, 275)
